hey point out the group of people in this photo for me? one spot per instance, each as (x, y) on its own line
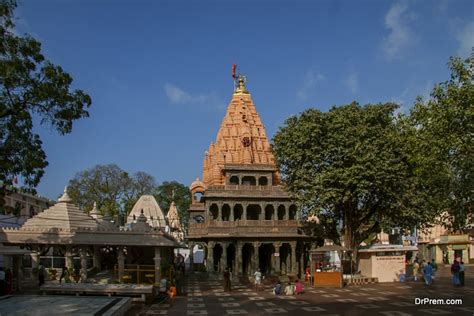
(427, 269)
(290, 289)
(457, 270)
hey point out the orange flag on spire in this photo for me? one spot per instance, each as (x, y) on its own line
(234, 68)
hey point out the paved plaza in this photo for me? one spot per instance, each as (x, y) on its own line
(205, 296)
(45, 305)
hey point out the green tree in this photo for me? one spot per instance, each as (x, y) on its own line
(113, 189)
(180, 194)
(441, 133)
(350, 167)
(30, 86)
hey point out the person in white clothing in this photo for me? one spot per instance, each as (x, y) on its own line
(258, 279)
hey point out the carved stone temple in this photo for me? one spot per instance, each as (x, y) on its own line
(239, 214)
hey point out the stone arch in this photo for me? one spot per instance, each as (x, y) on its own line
(197, 196)
(263, 181)
(281, 212)
(249, 180)
(238, 212)
(225, 212)
(253, 212)
(214, 211)
(269, 212)
(292, 212)
(234, 180)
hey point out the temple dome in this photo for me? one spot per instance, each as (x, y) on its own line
(197, 184)
(147, 206)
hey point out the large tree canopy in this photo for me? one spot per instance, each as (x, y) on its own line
(349, 167)
(441, 135)
(30, 87)
(113, 189)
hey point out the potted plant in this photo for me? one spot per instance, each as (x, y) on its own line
(52, 273)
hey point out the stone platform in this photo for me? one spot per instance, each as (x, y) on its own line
(39, 305)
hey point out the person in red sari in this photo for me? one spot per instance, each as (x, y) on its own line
(298, 287)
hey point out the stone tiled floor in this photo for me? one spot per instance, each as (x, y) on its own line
(47, 305)
(205, 297)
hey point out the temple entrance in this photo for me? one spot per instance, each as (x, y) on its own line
(247, 252)
(216, 256)
(285, 254)
(230, 257)
(265, 253)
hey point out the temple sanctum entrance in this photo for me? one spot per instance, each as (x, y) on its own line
(247, 253)
(265, 253)
(217, 254)
(230, 257)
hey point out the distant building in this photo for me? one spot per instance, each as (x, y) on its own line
(21, 206)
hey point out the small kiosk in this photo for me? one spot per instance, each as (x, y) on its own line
(326, 267)
(384, 262)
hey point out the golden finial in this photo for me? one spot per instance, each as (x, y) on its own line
(240, 85)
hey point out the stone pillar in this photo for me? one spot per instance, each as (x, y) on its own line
(287, 210)
(83, 256)
(191, 257)
(256, 245)
(96, 258)
(35, 259)
(261, 215)
(210, 257)
(219, 212)
(231, 217)
(17, 271)
(69, 256)
(157, 260)
(121, 264)
(277, 268)
(293, 258)
(244, 213)
(238, 259)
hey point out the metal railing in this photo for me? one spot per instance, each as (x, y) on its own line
(137, 273)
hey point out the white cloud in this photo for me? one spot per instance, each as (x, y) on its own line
(352, 82)
(400, 35)
(466, 39)
(310, 81)
(177, 95)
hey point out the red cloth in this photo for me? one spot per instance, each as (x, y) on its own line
(234, 68)
(298, 288)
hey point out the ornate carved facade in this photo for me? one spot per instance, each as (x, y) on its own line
(239, 213)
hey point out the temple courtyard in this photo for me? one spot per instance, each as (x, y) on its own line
(205, 296)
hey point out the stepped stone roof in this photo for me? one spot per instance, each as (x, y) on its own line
(241, 139)
(66, 224)
(63, 215)
(151, 210)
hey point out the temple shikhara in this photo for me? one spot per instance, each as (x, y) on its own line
(239, 214)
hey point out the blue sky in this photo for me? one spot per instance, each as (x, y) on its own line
(159, 72)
